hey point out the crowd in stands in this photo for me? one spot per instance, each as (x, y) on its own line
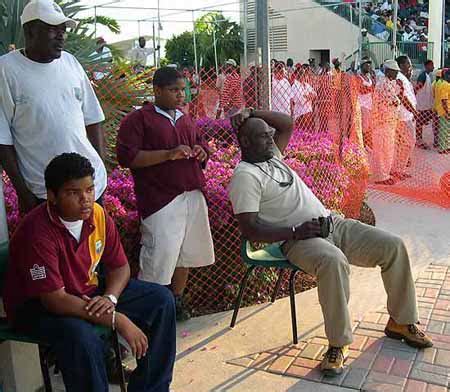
(412, 24)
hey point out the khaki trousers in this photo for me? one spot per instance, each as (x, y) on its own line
(353, 242)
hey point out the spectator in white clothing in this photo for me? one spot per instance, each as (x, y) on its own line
(139, 55)
(281, 90)
(47, 106)
(102, 50)
(425, 104)
(303, 96)
(103, 54)
(406, 127)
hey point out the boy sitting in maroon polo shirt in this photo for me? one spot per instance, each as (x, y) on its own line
(166, 153)
(53, 292)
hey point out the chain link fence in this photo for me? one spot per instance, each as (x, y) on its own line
(349, 137)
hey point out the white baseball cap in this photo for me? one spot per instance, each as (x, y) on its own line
(47, 11)
(391, 64)
(231, 62)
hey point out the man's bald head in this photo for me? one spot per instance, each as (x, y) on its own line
(256, 140)
(248, 128)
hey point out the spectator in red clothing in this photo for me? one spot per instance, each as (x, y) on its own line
(53, 291)
(165, 152)
(366, 86)
(231, 92)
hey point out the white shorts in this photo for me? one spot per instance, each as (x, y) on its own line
(178, 235)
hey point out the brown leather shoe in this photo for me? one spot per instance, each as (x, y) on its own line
(333, 360)
(411, 334)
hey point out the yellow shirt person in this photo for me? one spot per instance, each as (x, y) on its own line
(441, 92)
(441, 97)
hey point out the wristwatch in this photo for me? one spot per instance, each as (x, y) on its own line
(112, 298)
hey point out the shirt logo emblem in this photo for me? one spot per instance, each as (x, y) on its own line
(98, 246)
(37, 272)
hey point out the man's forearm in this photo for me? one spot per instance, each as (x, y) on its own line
(262, 233)
(8, 160)
(116, 280)
(97, 138)
(64, 304)
(280, 121)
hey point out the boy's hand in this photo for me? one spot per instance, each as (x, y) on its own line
(98, 305)
(132, 334)
(180, 152)
(199, 153)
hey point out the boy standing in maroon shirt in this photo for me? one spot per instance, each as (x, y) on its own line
(166, 153)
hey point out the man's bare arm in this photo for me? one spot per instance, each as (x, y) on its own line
(97, 138)
(8, 160)
(252, 230)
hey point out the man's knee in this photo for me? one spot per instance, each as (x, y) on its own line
(391, 242)
(157, 296)
(333, 261)
(395, 251)
(164, 296)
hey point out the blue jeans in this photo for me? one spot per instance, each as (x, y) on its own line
(81, 353)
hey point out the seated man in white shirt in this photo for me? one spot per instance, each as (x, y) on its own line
(272, 204)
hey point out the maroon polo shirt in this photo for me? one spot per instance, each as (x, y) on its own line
(45, 257)
(156, 186)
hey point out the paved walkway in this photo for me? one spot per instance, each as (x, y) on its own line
(377, 363)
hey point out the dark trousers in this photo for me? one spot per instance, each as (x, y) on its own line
(425, 117)
(80, 352)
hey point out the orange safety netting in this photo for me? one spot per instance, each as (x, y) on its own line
(346, 133)
(349, 136)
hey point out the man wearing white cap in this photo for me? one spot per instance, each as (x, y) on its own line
(386, 105)
(231, 92)
(406, 127)
(47, 105)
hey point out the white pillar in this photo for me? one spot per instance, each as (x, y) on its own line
(436, 16)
